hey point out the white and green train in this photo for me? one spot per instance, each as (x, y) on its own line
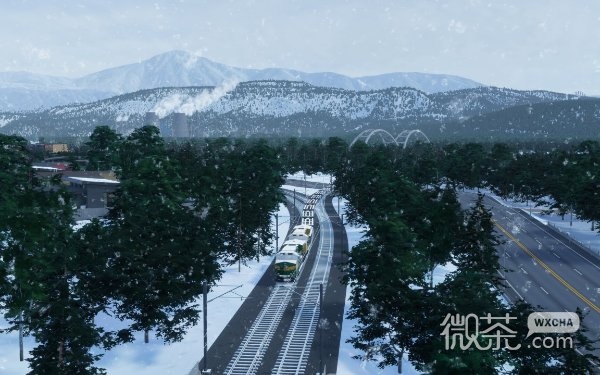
(289, 259)
(294, 250)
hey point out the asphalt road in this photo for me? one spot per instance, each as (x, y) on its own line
(543, 267)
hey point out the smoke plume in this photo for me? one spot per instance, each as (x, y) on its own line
(190, 104)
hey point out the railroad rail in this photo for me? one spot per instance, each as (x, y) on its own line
(293, 356)
(248, 356)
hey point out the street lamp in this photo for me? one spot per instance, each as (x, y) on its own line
(304, 183)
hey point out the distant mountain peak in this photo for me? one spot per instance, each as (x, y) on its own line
(179, 68)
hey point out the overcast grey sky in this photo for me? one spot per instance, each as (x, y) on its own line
(537, 44)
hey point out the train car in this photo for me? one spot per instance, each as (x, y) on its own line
(291, 256)
(287, 262)
(289, 259)
(300, 243)
(299, 232)
(307, 229)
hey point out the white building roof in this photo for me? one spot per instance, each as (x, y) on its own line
(97, 180)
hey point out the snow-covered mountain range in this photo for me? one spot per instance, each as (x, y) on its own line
(26, 91)
(277, 108)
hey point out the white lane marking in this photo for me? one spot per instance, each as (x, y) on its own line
(544, 290)
(514, 290)
(537, 224)
(534, 222)
(576, 270)
(555, 255)
(525, 272)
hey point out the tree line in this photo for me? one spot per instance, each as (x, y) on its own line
(181, 212)
(564, 177)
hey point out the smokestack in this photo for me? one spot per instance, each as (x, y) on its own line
(180, 126)
(165, 130)
(151, 119)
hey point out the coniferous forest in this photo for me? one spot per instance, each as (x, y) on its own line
(184, 210)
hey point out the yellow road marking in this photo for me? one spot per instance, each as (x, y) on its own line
(550, 270)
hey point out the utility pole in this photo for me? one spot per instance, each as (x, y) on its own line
(571, 211)
(239, 249)
(400, 362)
(277, 232)
(204, 370)
(21, 336)
(258, 248)
(305, 183)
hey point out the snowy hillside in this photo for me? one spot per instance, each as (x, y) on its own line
(481, 100)
(275, 107)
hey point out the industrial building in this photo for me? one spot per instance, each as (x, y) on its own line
(181, 128)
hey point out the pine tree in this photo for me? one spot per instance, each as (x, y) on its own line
(39, 264)
(160, 257)
(102, 148)
(476, 251)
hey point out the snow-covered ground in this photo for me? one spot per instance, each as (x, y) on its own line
(317, 177)
(9, 352)
(156, 357)
(300, 190)
(580, 231)
(300, 176)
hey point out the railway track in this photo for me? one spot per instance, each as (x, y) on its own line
(293, 356)
(248, 357)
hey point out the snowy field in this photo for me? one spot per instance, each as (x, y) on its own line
(156, 358)
(317, 177)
